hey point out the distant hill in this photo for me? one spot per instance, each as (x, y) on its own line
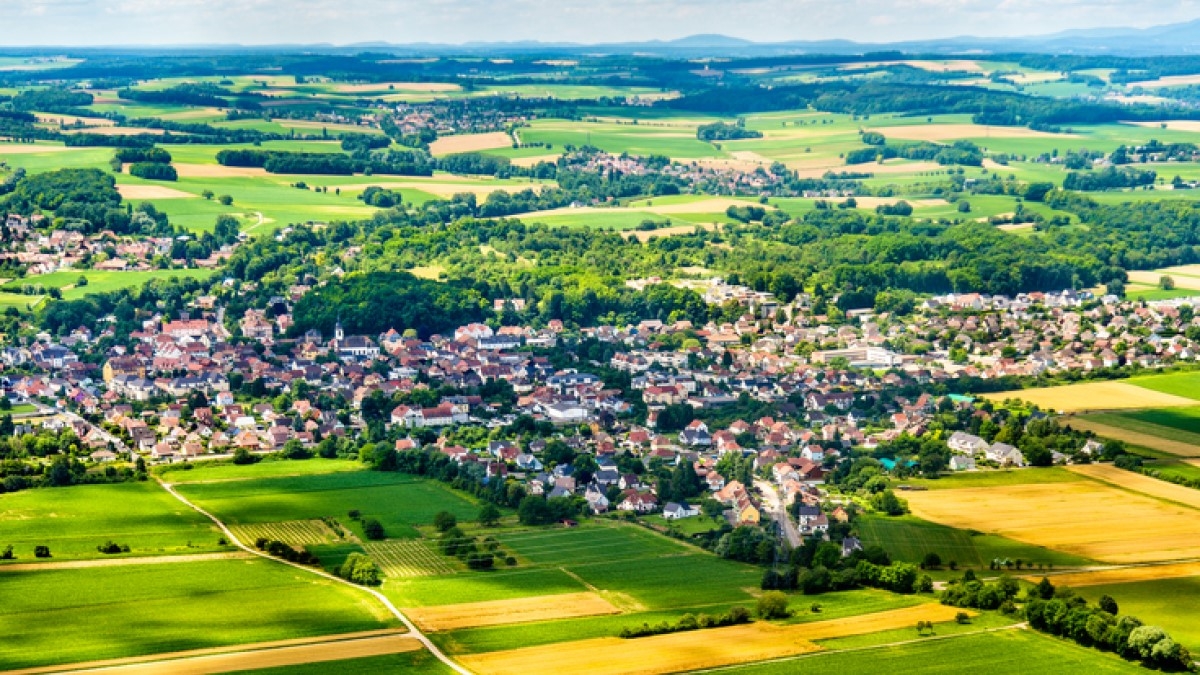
(1180, 38)
(1170, 39)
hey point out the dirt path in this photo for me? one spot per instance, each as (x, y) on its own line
(252, 656)
(118, 562)
(413, 631)
(1177, 448)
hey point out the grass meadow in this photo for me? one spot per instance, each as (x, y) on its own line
(997, 478)
(99, 281)
(1185, 384)
(200, 472)
(73, 521)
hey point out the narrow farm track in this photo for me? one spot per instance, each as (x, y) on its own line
(414, 632)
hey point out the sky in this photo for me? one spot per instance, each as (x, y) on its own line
(146, 22)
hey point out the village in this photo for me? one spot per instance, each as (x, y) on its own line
(205, 386)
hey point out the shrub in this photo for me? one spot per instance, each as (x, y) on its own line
(773, 605)
(7, 553)
(110, 547)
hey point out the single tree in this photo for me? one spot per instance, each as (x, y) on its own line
(444, 520)
(373, 529)
(489, 515)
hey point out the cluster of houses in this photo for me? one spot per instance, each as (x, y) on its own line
(37, 251)
(834, 383)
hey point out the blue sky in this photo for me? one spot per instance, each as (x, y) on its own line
(101, 22)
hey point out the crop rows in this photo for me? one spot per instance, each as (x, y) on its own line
(293, 532)
(407, 558)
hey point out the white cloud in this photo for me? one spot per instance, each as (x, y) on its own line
(341, 21)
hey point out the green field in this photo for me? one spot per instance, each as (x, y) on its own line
(164, 608)
(1169, 603)
(73, 521)
(99, 281)
(1186, 384)
(994, 478)
(1176, 424)
(1012, 652)
(197, 472)
(399, 502)
(552, 561)
(1174, 469)
(677, 141)
(909, 538)
(502, 584)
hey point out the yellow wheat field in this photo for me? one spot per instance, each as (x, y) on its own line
(1124, 575)
(694, 650)
(1085, 518)
(448, 145)
(152, 192)
(1185, 276)
(502, 612)
(1093, 396)
(1139, 483)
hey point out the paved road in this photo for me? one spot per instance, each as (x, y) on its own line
(413, 631)
(773, 504)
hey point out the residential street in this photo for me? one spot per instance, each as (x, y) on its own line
(773, 504)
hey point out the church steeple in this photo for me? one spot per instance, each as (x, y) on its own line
(338, 333)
